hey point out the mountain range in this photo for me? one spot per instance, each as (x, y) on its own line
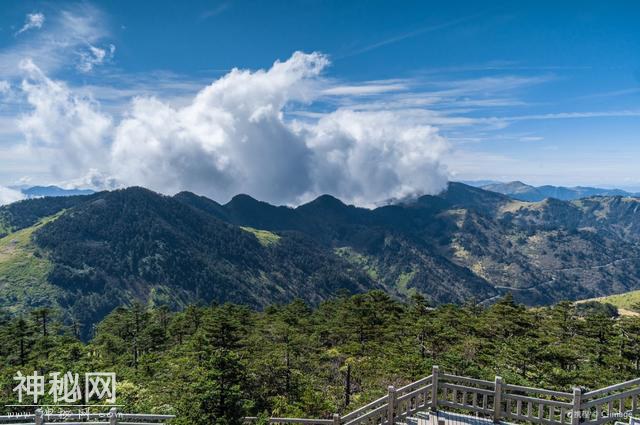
(42, 191)
(524, 192)
(85, 255)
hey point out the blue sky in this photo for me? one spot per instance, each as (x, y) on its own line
(400, 97)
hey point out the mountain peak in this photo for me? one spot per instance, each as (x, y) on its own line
(243, 196)
(137, 191)
(462, 195)
(327, 200)
(242, 199)
(325, 204)
(518, 183)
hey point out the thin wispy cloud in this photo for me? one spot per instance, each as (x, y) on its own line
(476, 138)
(612, 93)
(94, 56)
(215, 11)
(500, 123)
(572, 115)
(489, 84)
(501, 66)
(457, 96)
(407, 35)
(116, 89)
(365, 89)
(75, 37)
(531, 139)
(32, 21)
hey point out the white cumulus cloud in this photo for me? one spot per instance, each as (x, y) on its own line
(94, 179)
(368, 156)
(231, 138)
(33, 20)
(70, 130)
(235, 136)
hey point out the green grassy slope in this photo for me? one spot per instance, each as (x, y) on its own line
(624, 301)
(24, 270)
(265, 237)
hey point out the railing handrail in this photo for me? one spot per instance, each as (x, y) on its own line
(291, 420)
(504, 401)
(532, 390)
(87, 416)
(374, 404)
(415, 384)
(611, 388)
(467, 380)
(112, 417)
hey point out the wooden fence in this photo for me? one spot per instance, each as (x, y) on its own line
(496, 399)
(113, 417)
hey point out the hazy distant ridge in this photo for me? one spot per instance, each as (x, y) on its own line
(42, 191)
(524, 192)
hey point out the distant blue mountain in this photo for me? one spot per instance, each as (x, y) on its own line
(42, 191)
(524, 192)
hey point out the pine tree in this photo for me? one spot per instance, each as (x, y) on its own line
(222, 398)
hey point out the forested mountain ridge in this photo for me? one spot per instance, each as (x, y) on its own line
(136, 244)
(22, 214)
(543, 251)
(100, 251)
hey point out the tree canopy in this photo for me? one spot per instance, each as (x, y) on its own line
(222, 362)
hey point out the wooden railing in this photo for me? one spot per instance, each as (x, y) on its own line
(113, 417)
(496, 399)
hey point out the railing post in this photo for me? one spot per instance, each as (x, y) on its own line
(391, 406)
(576, 413)
(336, 419)
(434, 388)
(39, 417)
(497, 400)
(113, 416)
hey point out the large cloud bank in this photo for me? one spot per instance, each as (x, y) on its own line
(8, 195)
(236, 136)
(69, 132)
